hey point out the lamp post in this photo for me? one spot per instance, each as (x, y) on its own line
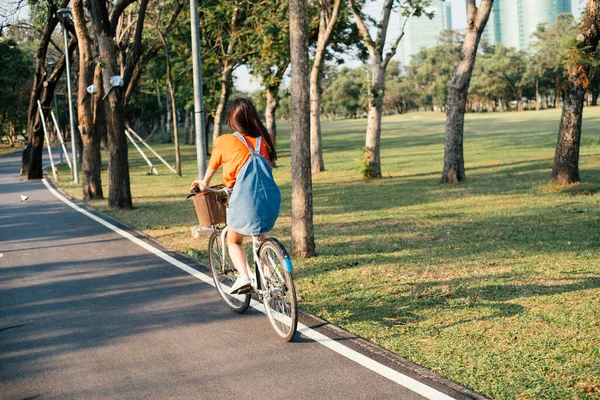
(51, 65)
(63, 14)
(201, 145)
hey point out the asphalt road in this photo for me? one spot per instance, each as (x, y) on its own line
(86, 313)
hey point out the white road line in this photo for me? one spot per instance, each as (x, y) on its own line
(395, 376)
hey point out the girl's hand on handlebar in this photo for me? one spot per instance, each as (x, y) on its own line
(198, 186)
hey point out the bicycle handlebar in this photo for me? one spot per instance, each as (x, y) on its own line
(224, 190)
(209, 189)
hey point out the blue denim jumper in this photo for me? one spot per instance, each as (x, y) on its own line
(255, 199)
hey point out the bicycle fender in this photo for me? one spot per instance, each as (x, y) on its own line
(287, 264)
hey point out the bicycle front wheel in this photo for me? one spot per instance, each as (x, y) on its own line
(224, 274)
(280, 293)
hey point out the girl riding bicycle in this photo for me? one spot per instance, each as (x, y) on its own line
(247, 156)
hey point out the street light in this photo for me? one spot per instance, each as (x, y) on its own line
(51, 65)
(63, 15)
(201, 145)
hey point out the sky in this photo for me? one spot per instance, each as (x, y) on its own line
(245, 82)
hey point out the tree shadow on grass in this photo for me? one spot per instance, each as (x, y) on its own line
(413, 302)
(510, 178)
(454, 237)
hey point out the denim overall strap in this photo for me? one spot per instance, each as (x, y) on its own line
(252, 151)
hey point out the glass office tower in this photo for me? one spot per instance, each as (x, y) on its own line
(424, 32)
(513, 22)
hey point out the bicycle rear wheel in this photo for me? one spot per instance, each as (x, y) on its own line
(280, 293)
(224, 274)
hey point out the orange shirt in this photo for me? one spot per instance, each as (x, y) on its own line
(232, 154)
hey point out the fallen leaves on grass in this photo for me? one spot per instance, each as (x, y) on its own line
(587, 387)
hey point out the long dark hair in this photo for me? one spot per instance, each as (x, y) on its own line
(243, 118)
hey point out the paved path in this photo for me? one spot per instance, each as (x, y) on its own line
(87, 314)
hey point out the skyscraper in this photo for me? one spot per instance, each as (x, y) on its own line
(424, 32)
(513, 22)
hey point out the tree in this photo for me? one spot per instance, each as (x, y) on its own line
(379, 63)
(431, 69)
(149, 49)
(171, 91)
(454, 164)
(43, 87)
(91, 181)
(551, 47)
(328, 16)
(113, 85)
(485, 86)
(229, 37)
(400, 93)
(535, 72)
(270, 63)
(17, 68)
(565, 169)
(346, 93)
(303, 242)
(510, 66)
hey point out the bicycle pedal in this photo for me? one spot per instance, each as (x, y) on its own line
(243, 290)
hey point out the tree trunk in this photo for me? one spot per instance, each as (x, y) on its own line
(303, 242)
(168, 115)
(316, 150)
(595, 98)
(173, 105)
(175, 129)
(372, 158)
(161, 118)
(537, 95)
(271, 107)
(223, 98)
(454, 163)
(192, 133)
(326, 26)
(565, 169)
(519, 99)
(207, 123)
(379, 63)
(186, 128)
(119, 192)
(99, 114)
(91, 181)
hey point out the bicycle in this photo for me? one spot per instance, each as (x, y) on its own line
(271, 277)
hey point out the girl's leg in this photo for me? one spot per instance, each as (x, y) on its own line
(266, 267)
(236, 252)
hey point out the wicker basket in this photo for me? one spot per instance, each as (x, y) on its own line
(210, 207)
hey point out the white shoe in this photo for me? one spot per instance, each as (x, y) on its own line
(240, 283)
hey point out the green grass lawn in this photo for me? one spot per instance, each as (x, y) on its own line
(494, 283)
